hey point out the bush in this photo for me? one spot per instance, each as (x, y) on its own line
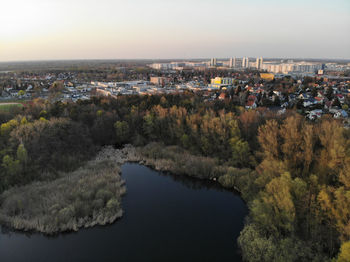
(113, 203)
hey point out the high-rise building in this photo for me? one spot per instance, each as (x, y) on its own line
(245, 62)
(232, 62)
(259, 62)
(213, 62)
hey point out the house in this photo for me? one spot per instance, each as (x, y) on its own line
(251, 102)
(277, 93)
(309, 102)
(340, 98)
(317, 113)
(320, 94)
(252, 98)
(344, 113)
(303, 96)
(339, 113)
(250, 105)
(328, 104)
(281, 111)
(319, 100)
(222, 96)
(285, 104)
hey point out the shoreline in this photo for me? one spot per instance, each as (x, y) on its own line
(116, 157)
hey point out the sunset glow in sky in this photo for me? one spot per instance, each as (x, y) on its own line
(112, 29)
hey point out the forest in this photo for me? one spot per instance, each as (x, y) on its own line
(293, 174)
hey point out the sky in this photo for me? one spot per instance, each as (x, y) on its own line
(164, 29)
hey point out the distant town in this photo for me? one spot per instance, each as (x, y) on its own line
(314, 88)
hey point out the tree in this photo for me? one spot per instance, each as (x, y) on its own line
(122, 132)
(6, 128)
(249, 122)
(24, 121)
(164, 102)
(255, 247)
(277, 101)
(292, 143)
(240, 152)
(268, 139)
(21, 93)
(56, 90)
(335, 203)
(329, 93)
(43, 114)
(308, 147)
(336, 102)
(344, 255)
(64, 142)
(185, 141)
(22, 156)
(12, 168)
(274, 210)
(333, 153)
(300, 195)
(148, 126)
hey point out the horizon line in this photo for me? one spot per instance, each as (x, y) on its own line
(159, 59)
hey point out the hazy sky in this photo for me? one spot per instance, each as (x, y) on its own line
(112, 29)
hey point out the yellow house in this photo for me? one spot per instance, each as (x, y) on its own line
(222, 81)
(216, 80)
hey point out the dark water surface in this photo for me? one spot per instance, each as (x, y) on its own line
(166, 218)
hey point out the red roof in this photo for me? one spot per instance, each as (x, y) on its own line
(328, 104)
(250, 103)
(222, 95)
(252, 98)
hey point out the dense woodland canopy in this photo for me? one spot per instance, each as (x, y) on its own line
(293, 174)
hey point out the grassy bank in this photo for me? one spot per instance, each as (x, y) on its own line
(8, 106)
(86, 197)
(178, 161)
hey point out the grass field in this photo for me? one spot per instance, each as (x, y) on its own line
(7, 106)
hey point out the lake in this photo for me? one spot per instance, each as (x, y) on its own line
(166, 218)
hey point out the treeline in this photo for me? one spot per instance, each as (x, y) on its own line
(293, 174)
(302, 209)
(30, 149)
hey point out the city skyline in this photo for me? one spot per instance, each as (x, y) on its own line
(62, 30)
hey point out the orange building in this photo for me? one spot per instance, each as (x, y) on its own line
(267, 76)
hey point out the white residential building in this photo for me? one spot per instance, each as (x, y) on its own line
(245, 62)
